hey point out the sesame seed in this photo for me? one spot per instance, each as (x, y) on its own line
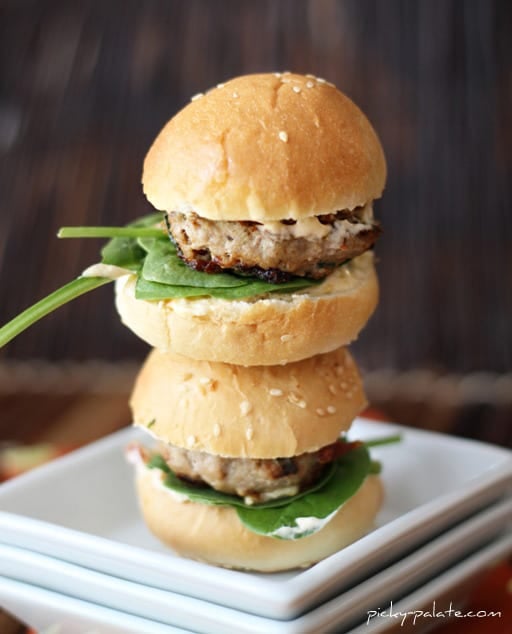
(220, 85)
(196, 97)
(340, 370)
(283, 136)
(296, 89)
(343, 385)
(321, 80)
(332, 389)
(216, 430)
(277, 74)
(311, 76)
(285, 338)
(187, 376)
(309, 84)
(296, 400)
(331, 409)
(235, 95)
(245, 408)
(191, 440)
(249, 433)
(204, 380)
(320, 411)
(349, 394)
(275, 392)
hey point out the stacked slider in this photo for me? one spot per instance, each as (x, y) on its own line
(266, 183)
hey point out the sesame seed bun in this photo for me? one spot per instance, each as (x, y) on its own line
(248, 412)
(275, 329)
(266, 147)
(215, 535)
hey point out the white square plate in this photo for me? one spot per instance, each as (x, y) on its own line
(348, 609)
(82, 508)
(46, 611)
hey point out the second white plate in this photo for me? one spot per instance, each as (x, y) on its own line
(82, 509)
(348, 609)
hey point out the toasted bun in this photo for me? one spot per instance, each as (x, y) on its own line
(215, 535)
(277, 329)
(256, 412)
(266, 147)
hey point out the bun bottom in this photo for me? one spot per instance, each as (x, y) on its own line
(215, 535)
(270, 330)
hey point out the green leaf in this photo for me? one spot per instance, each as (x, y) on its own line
(148, 243)
(350, 473)
(207, 495)
(162, 265)
(125, 251)
(253, 288)
(51, 302)
(339, 484)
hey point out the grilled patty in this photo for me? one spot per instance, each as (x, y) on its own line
(257, 479)
(275, 251)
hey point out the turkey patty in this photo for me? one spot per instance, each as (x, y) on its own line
(274, 251)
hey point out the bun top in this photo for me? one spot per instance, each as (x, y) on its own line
(248, 412)
(266, 147)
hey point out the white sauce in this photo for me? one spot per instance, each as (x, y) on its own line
(312, 228)
(304, 228)
(272, 495)
(303, 525)
(109, 271)
(134, 457)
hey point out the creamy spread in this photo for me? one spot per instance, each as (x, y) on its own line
(303, 525)
(272, 495)
(134, 456)
(108, 271)
(312, 228)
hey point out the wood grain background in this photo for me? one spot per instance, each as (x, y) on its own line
(85, 86)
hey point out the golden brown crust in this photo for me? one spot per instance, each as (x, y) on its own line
(250, 412)
(269, 331)
(215, 535)
(266, 147)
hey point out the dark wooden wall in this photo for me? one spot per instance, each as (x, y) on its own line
(85, 86)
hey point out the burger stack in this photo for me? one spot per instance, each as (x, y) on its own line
(267, 184)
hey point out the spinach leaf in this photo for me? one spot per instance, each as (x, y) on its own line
(126, 252)
(163, 265)
(350, 473)
(207, 495)
(252, 288)
(278, 518)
